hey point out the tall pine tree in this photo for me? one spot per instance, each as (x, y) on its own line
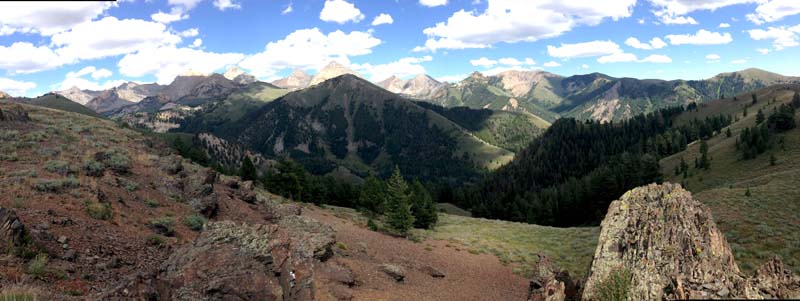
(705, 162)
(398, 210)
(423, 207)
(372, 199)
(248, 171)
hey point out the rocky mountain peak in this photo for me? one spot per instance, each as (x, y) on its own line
(4, 95)
(333, 69)
(77, 95)
(392, 84)
(299, 79)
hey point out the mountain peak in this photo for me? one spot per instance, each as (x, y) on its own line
(233, 72)
(192, 72)
(4, 95)
(299, 79)
(333, 69)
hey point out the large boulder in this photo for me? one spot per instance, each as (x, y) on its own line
(550, 283)
(12, 231)
(14, 114)
(656, 243)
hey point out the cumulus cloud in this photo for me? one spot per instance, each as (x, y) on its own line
(309, 49)
(702, 37)
(586, 49)
(510, 61)
(402, 68)
(620, 57)
(191, 32)
(197, 43)
(782, 37)
(166, 18)
(763, 50)
(226, 4)
(774, 10)
(483, 62)
(655, 43)
(24, 57)
(675, 11)
(552, 64)
(109, 37)
(167, 62)
(382, 19)
(77, 79)
(584, 66)
(511, 21)
(724, 25)
(48, 17)
(15, 87)
(713, 58)
(433, 3)
(340, 11)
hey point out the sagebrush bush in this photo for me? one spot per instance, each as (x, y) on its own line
(615, 286)
(151, 203)
(119, 163)
(99, 211)
(155, 240)
(194, 222)
(57, 185)
(94, 168)
(38, 266)
(60, 167)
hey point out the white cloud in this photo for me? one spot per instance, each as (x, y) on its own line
(763, 50)
(76, 79)
(197, 43)
(774, 10)
(340, 11)
(167, 62)
(702, 37)
(402, 68)
(288, 9)
(24, 57)
(675, 11)
(724, 25)
(452, 78)
(433, 3)
(483, 62)
(584, 66)
(191, 32)
(226, 4)
(552, 64)
(185, 4)
(499, 69)
(622, 57)
(587, 49)
(166, 18)
(309, 49)
(655, 43)
(511, 21)
(382, 19)
(15, 87)
(782, 37)
(510, 61)
(713, 58)
(739, 62)
(48, 17)
(111, 36)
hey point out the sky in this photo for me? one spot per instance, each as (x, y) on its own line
(50, 46)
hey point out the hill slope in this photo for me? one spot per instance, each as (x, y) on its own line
(767, 222)
(347, 121)
(58, 102)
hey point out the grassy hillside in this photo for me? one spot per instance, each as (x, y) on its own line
(58, 102)
(766, 223)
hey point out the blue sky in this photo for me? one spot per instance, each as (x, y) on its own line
(51, 46)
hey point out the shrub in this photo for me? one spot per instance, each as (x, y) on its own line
(615, 286)
(151, 203)
(129, 185)
(94, 168)
(57, 185)
(155, 240)
(60, 167)
(119, 163)
(372, 225)
(163, 225)
(194, 222)
(38, 266)
(9, 156)
(99, 210)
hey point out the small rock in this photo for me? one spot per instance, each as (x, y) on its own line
(43, 226)
(431, 271)
(723, 292)
(248, 185)
(62, 239)
(69, 255)
(393, 271)
(211, 177)
(65, 246)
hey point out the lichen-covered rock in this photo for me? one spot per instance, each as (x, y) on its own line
(208, 205)
(672, 249)
(12, 231)
(549, 283)
(396, 272)
(311, 238)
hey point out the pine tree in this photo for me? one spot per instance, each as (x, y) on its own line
(423, 207)
(398, 212)
(747, 192)
(705, 162)
(248, 171)
(728, 133)
(755, 99)
(796, 100)
(372, 198)
(744, 114)
(760, 117)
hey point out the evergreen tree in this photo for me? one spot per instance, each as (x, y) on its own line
(423, 207)
(728, 132)
(744, 114)
(796, 100)
(372, 199)
(704, 162)
(289, 180)
(760, 117)
(772, 159)
(755, 99)
(398, 210)
(747, 192)
(248, 171)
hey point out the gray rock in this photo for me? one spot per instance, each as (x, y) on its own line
(431, 271)
(396, 272)
(62, 239)
(12, 231)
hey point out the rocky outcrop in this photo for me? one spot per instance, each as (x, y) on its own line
(549, 283)
(333, 69)
(297, 80)
(670, 248)
(12, 231)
